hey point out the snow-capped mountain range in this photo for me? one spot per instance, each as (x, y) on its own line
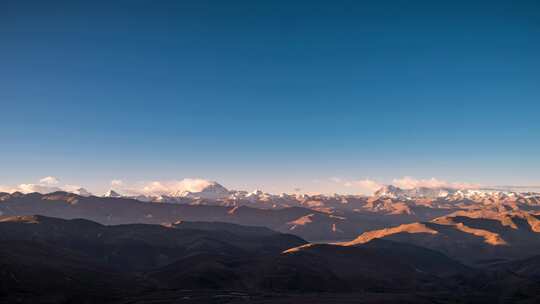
(314, 216)
(389, 198)
(449, 193)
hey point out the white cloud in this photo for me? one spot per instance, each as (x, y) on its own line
(155, 188)
(44, 189)
(117, 183)
(46, 185)
(76, 189)
(369, 186)
(49, 180)
(408, 182)
(167, 187)
(29, 188)
(366, 186)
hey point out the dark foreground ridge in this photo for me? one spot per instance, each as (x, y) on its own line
(50, 260)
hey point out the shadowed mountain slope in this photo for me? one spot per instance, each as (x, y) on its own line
(114, 211)
(474, 237)
(53, 260)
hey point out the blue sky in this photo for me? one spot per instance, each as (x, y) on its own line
(270, 94)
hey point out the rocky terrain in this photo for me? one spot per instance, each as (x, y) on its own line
(423, 246)
(51, 260)
(313, 217)
(472, 236)
(388, 199)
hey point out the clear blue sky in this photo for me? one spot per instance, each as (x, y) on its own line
(275, 94)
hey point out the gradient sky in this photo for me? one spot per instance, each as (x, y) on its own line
(270, 94)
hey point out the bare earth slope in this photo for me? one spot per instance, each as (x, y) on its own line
(52, 260)
(469, 237)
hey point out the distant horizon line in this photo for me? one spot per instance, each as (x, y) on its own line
(85, 192)
(329, 186)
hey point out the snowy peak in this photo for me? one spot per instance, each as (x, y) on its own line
(81, 192)
(112, 193)
(211, 191)
(391, 191)
(449, 194)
